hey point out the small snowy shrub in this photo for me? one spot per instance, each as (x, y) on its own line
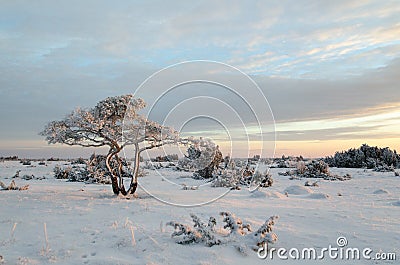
(234, 231)
(148, 165)
(185, 164)
(80, 160)
(384, 168)
(301, 167)
(61, 173)
(200, 233)
(264, 234)
(309, 184)
(26, 162)
(94, 171)
(314, 169)
(13, 186)
(71, 173)
(263, 180)
(227, 178)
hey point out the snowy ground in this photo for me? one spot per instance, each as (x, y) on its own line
(86, 224)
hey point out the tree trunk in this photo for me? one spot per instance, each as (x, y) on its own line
(135, 174)
(120, 176)
(114, 179)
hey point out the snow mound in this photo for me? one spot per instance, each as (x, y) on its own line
(381, 191)
(267, 194)
(259, 194)
(396, 203)
(276, 194)
(319, 196)
(297, 190)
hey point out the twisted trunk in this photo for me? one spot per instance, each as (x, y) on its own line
(121, 176)
(134, 178)
(115, 177)
(138, 151)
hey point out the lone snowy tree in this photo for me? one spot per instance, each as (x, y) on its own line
(203, 155)
(103, 126)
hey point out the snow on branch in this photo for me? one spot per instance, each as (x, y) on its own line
(200, 233)
(264, 234)
(235, 224)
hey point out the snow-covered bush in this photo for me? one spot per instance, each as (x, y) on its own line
(97, 172)
(200, 233)
(264, 234)
(286, 161)
(94, 171)
(13, 186)
(71, 173)
(227, 178)
(185, 164)
(384, 168)
(234, 178)
(79, 160)
(263, 180)
(61, 172)
(314, 169)
(234, 231)
(26, 162)
(167, 158)
(313, 184)
(148, 165)
(301, 167)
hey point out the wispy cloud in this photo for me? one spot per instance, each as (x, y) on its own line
(312, 59)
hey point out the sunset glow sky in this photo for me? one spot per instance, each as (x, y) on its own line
(329, 69)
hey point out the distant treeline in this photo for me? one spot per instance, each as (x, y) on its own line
(16, 158)
(9, 158)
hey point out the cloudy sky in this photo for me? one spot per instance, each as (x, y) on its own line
(329, 69)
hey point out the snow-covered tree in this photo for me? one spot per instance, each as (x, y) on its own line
(203, 155)
(95, 127)
(103, 125)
